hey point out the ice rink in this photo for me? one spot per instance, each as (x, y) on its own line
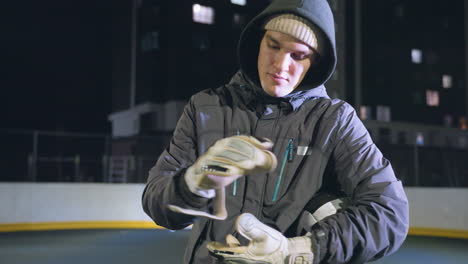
(160, 246)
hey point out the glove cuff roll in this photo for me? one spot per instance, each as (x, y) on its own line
(192, 183)
(188, 197)
(300, 250)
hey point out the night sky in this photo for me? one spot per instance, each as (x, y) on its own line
(56, 59)
(56, 65)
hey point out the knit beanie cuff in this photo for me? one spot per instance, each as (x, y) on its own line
(294, 26)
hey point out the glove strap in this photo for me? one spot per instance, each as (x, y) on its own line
(301, 259)
(220, 212)
(300, 250)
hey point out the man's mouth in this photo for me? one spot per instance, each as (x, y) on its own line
(278, 77)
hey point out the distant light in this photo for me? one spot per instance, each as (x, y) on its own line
(383, 113)
(416, 56)
(448, 120)
(237, 19)
(239, 2)
(365, 112)
(196, 8)
(432, 98)
(203, 14)
(463, 125)
(446, 81)
(419, 139)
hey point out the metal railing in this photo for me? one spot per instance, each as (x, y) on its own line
(44, 156)
(50, 156)
(428, 166)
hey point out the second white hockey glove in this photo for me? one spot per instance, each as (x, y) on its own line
(267, 245)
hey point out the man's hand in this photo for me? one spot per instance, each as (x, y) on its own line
(267, 245)
(227, 160)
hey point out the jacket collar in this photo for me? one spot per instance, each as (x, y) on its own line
(253, 93)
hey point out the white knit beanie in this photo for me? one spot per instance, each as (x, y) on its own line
(295, 26)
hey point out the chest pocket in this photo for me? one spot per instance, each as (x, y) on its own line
(208, 120)
(300, 162)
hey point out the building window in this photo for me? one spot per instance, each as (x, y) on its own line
(365, 112)
(419, 139)
(238, 20)
(150, 41)
(416, 56)
(432, 98)
(400, 11)
(203, 14)
(383, 113)
(448, 120)
(239, 2)
(446, 81)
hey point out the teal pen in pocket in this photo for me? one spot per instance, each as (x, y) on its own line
(288, 156)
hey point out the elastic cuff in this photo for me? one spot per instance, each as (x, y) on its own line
(188, 197)
(191, 179)
(319, 244)
(204, 193)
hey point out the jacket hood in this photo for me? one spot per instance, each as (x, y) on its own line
(317, 12)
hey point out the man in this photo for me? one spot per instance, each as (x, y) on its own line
(248, 160)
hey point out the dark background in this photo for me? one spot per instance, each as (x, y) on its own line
(56, 65)
(65, 68)
(58, 59)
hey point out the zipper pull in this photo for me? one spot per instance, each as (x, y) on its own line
(290, 149)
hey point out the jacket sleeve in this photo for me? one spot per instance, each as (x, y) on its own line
(166, 184)
(376, 223)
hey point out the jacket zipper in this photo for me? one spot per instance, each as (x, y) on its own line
(288, 156)
(262, 195)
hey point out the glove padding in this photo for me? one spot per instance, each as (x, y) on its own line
(229, 159)
(224, 162)
(267, 245)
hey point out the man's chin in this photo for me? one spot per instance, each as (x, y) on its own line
(281, 92)
(277, 91)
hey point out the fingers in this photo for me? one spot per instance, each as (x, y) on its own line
(244, 152)
(210, 181)
(238, 142)
(232, 241)
(272, 162)
(221, 249)
(263, 143)
(252, 229)
(267, 245)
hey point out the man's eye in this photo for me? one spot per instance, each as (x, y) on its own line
(299, 56)
(273, 47)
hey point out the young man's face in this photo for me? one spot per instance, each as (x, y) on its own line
(283, 61)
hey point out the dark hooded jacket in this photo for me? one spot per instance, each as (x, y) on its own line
(320, 143)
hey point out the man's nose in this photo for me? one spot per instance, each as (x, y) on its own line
(281, 61)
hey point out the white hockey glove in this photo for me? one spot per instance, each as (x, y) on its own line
(224, 162)
(267, 245)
